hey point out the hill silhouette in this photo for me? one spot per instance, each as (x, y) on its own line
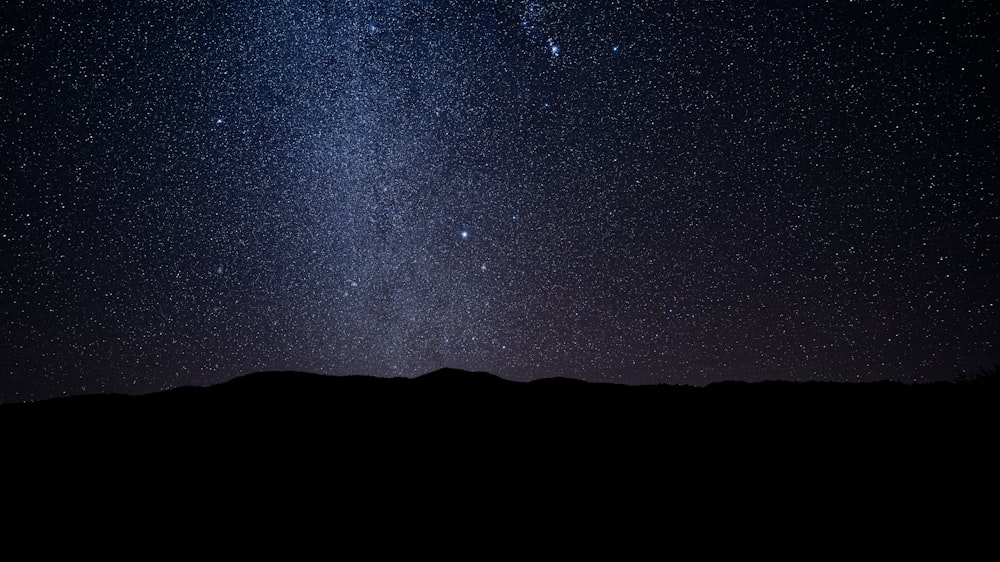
(450, 399)
(481, 440)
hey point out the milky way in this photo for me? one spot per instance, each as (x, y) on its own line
(638, 192)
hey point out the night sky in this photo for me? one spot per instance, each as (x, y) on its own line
(625, 191)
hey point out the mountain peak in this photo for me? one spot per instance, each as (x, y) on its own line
(461, 377)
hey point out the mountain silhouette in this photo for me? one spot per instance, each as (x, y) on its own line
(481, 439)
(467, 379)
(478, 400)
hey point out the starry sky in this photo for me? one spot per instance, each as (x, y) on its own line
(624, 191)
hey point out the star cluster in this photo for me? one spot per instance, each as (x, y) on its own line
(625, 191)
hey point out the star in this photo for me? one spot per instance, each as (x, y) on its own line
(554, 49)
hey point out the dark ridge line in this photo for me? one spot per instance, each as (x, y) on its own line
(448, 380)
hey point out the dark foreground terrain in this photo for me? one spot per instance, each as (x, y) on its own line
(465, 410)
(548, 451)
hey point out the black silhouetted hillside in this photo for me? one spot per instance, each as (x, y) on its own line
(481, 440)
(453, 401)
